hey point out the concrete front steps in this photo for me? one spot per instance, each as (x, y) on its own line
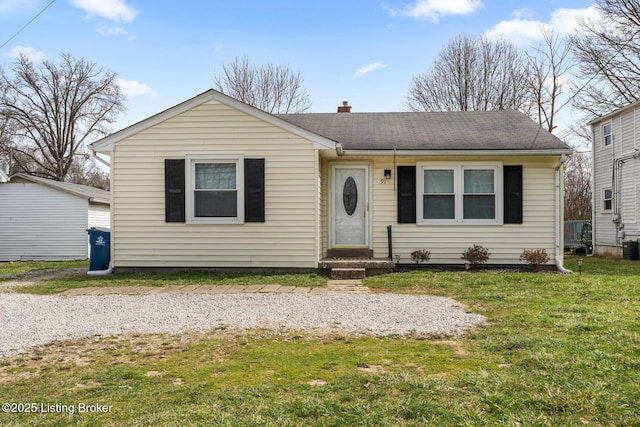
(355, 268)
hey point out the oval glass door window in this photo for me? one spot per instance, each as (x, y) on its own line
(350, 195)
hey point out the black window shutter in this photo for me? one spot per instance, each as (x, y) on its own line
(406, 194)
(512, 194)
(254, 190)
(174, 190)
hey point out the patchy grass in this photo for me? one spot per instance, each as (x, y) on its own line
(172, 279)
(558, 350)
(9, 270)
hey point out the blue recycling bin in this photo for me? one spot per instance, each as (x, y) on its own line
(100, 248)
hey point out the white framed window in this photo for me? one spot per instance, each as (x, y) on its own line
(214, 189)
(607, 138)
(607, 199)
(459, 193)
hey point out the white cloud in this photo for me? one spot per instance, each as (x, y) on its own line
(133, 88)
(523, 13)
(369, 68)
(113, 10)
(108, 30)
(32, 54)
(432, 10)
(524, 29)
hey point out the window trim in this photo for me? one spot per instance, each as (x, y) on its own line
(458, 179)
(602, 204)
(610, 134)
(190, 176)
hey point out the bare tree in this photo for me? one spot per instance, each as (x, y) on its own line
(577, 187)
(548, 67)
(472, 74)
(272, 88)
(51, 111)
(86, 172)
(608, 50)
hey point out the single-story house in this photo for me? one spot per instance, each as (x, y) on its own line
(215, 183)
(616, 179)
(42, 219)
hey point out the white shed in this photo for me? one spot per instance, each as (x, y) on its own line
(42, 219)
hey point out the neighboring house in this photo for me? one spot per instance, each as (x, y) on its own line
(42, 219)
(616, 179)
(216, 183)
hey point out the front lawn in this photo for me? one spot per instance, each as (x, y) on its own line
(558, 350)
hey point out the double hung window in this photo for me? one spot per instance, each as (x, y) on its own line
(607, 138)
(215, 189)
(607, 199)
(452, 193)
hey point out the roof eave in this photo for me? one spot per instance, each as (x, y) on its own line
(613, 113)
(99, 201)
(545, 152)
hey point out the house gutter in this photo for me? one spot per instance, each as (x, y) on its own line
(559, 250)
(550, 152)
(95, 155)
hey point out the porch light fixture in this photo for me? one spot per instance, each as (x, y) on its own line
(387, 174)
(579, 265)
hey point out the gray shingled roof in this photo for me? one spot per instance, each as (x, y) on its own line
(90, 193)
(451, 130)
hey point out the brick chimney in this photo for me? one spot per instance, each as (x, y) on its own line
(345, 107)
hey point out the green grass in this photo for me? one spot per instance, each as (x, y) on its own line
(10, 269)
(172, 279)
(558, 350)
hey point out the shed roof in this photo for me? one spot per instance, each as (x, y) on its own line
(92, 194)
(450, 130)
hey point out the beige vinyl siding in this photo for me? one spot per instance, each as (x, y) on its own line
(141, 236)
(40, 223)
(604, 228)
(626, 195)
(446, 243)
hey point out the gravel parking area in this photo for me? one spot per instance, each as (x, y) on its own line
(30, 320)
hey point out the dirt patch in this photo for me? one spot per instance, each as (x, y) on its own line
(454, 345)
(33, 277)
(372, 369)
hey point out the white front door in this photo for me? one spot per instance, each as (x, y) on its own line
(350, 206)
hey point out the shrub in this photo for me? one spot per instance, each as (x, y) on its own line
(476, 255)
(534, 257)
(420, 255)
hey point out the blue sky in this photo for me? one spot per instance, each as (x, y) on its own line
(362, 51)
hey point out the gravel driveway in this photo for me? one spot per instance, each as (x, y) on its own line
(31, 320)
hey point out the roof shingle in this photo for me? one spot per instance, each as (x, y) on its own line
(90, 193)
(450, 130)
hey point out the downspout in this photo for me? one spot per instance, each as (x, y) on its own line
(100, 272)
(559, 228)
